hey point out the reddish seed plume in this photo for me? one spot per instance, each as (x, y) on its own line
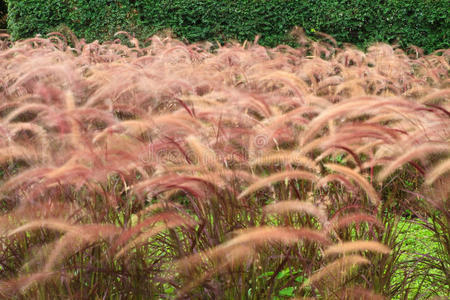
(365, 185)
(346, 247)
(263, 182)
(355, 218)
(416, 152)
(340, 266)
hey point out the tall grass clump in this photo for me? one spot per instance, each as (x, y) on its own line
(173, 170)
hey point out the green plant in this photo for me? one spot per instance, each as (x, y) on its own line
(93, 20)
(420, 254)
(406, 22)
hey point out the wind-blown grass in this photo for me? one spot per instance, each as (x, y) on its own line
(173, 170)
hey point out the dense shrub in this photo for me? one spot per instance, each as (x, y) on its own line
(27, 18)
(92, 20)
(422, 23)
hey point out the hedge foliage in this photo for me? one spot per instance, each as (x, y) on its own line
(424, 23)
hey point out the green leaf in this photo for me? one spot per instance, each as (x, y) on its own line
(266, 274)
(283, 274)
(287, 292)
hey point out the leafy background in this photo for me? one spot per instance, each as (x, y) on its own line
(406, 22)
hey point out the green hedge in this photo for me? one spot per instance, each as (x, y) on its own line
(424, 23)
(98, 19)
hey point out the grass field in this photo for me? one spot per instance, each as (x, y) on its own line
(158, 169)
